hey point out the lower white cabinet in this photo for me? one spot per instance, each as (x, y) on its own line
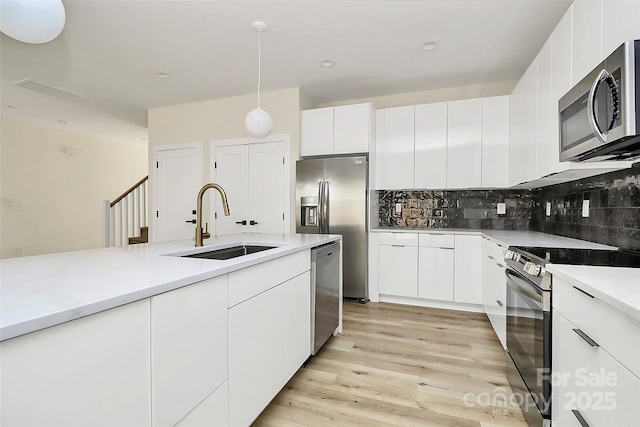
(436, 267)
(212, 411)
(468, 269)
(188, 348)
(91, 371)
(398, 265)
(494, 288)
(269, 338)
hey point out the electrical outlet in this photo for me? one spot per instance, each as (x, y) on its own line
(19, 251)
(548, 209)
(585, 208)
(398, 207)
(502, 208)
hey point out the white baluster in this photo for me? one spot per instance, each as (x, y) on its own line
(124, 218)
(113, 225)
(144, 204)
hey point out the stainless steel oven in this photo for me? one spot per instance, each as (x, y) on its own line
(529, 335)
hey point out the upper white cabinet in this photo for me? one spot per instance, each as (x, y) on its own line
(336, 130)
(464, 144)
(431, 145)
(395, 148)
(620, 22)
(495, 141)
(547, 116)
(522, 127)
(586, 37)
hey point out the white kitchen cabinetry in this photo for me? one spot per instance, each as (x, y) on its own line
(468, 269)
(213, 411)
(495, 142)
(620, 23)
(188, 348)
(494, 289)
(464, 144)
(436, 268)
(398, 264)
(431, 145)
(586, 38)
(336, 130)
(522, 127)
(256, 180)
(547, 116)
(395, 148)
(91, 371)
(269, 338)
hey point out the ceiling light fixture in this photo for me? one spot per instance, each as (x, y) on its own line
(429, 46)
(162, 75)
(258, 122)
(32, 21)
(327, 63)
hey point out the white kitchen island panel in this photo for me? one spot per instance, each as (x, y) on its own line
(90, 372)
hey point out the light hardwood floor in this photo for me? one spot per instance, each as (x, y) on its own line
(398, 365)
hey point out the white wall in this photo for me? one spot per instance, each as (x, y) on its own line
(50, 200)
(223, 118)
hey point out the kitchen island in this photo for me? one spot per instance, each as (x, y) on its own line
(140, 335)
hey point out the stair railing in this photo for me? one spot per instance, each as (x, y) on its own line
(125, 216)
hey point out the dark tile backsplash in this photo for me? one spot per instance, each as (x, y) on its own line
(455, 209)
(614, 209)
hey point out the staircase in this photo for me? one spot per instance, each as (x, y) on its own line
(125, 219)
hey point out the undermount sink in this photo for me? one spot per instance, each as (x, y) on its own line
(229, 253)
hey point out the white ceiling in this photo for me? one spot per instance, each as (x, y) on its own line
(110, 51)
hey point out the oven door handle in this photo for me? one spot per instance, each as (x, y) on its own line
(521, 286)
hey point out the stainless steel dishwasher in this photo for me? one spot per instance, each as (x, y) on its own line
(325, 293)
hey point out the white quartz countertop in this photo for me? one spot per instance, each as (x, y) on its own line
(507, 237)
(41, 291)
(617, 286)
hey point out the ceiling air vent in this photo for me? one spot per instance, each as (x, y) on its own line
(48, 89)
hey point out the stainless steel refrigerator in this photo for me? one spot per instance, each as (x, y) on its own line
(331, 198)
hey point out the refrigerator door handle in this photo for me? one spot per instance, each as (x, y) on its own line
(320, 206)
(325, 207)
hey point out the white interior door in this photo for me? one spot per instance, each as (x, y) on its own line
(178, 180)
(266, 187)
(232, 173)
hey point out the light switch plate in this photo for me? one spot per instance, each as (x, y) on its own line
(548, 209)
(585, 208)
(398, 207)
(502, 208)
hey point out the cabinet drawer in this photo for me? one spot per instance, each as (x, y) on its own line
(589, 381)
(248, 282)
(401, 239)
(612, 329)
(437, 240)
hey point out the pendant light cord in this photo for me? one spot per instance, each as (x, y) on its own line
(259, 68)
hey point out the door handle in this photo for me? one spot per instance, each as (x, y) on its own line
(580, 418)
(252, 222)
(586, 337)
(243, 222)
(192, 221)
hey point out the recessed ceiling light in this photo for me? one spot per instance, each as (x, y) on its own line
(161, 75)
(429, 46)
(327, 63)
(10, 106)
(63, 122)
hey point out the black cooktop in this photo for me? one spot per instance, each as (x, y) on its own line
(599, 257)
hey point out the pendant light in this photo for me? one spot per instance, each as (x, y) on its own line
(258, 122)
(32, 21)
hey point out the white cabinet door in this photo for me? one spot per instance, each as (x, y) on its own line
(464, 144)
(468, 269)
(394, 148)
(316, 132)
(522, 127)
(93, 371)
(547, 138)
(495, 141)
(188, 347)
(620, 23)
(494, 291)
(586, 38)
(232, 173)
(213, 411)
(430, 160)
(269, 339)
(561, 59)
(436, 273)
(398, 270)
(352, 129)
(266, 188)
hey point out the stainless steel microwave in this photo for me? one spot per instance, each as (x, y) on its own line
(599, 117)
